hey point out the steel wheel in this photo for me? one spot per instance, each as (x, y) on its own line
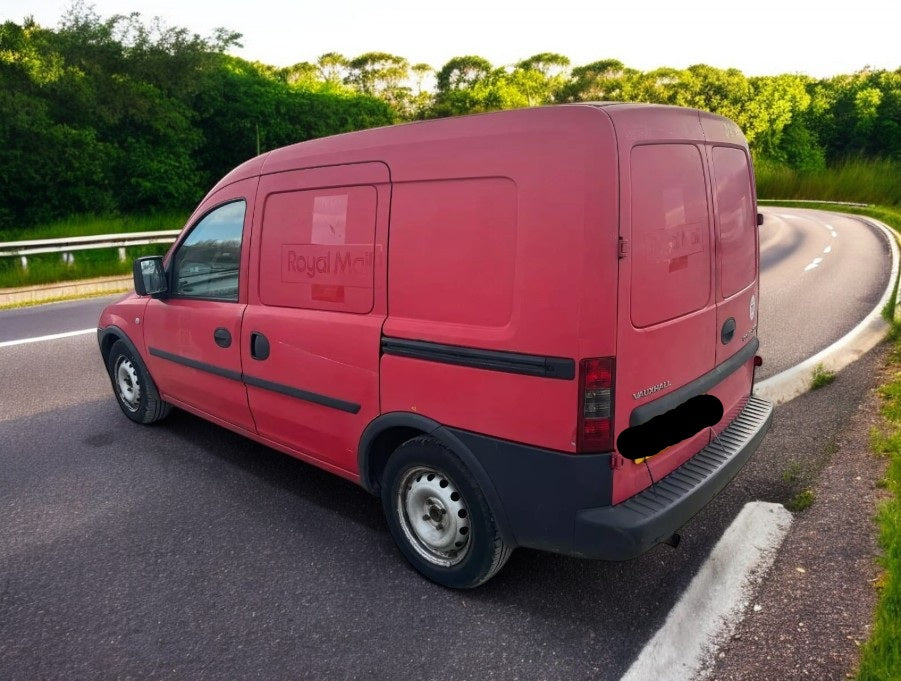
(135, 391)
(433, 516)
(439, 517)
(128, 386)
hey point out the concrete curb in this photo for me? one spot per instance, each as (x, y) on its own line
(47, 292)
(795, 381)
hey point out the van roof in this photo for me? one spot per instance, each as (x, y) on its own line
(631, 120)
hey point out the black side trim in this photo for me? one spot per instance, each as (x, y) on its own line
(306, 395)
(195, 364)
(492, 360)
(699, 386)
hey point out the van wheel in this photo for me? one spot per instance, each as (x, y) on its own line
(439, 517)
(135, 391)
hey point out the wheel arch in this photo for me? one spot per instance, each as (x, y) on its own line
(106, 337)
(389, 431)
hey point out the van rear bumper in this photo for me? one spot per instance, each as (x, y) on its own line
(632, 527)
(561, 502)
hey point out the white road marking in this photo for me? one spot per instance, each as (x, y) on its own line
(713, 603)
(52, 336)
(815, 263)
(828, 249)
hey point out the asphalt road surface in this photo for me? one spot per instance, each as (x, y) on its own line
(184, 551)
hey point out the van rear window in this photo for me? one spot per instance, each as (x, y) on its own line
(735, 220)
(670, 233)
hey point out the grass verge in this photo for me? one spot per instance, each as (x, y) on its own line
(89, 225)
(62, 299)
(881, 655)
(49, 268)
(864, 180)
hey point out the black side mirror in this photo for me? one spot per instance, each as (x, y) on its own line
(760, 219)
(149, 276)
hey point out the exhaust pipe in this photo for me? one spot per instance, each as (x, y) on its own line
(673, 540)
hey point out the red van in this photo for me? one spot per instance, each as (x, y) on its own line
(528, 328)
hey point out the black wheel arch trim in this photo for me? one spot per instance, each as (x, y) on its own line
(446, 437)
(118, 334)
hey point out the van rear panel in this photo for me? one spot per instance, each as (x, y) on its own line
(688, 283)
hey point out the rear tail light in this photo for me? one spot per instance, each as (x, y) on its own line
(595, 427)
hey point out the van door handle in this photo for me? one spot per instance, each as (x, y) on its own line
(222, 337)
(259, 345)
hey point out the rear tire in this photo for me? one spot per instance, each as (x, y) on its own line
(439, 516)
(135, 391)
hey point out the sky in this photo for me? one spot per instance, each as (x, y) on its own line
(760, 37)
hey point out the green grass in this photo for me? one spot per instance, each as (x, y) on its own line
(865, 181)
(792, 473)
(881, 655)
(87, 225)
(49, 268)
(801, 501)
(821, 377)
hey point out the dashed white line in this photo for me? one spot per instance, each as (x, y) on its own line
(713, 603)
(828, 249)
(815, 263)
(50, 337)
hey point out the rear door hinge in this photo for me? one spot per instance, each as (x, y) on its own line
(623, 247)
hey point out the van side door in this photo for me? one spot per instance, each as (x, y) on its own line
(193, 335)
(311, 334)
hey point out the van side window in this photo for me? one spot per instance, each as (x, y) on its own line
(318, 249)
(207, 262)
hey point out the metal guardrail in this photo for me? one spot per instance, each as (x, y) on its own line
(68, 245)
(768, 202)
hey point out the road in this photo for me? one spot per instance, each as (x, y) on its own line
(185, 551)
(820, 274)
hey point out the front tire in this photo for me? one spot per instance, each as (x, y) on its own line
(439, 516)
(135, 391)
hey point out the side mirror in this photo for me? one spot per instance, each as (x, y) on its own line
(760, 219)
(149, 276)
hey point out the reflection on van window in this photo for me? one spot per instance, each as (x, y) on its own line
(206, 263)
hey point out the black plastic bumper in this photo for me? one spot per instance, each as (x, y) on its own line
(561, 502)
(629, 529)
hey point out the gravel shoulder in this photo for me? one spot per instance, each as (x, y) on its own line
(815, 607)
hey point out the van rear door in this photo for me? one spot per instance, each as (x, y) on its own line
(667, 317)
(735, 221)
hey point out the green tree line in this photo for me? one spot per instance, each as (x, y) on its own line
(123, 115)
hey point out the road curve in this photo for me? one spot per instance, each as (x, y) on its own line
(820, 275)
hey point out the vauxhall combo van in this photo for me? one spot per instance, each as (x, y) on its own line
(530, 328)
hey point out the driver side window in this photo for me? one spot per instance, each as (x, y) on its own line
(207, 262)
